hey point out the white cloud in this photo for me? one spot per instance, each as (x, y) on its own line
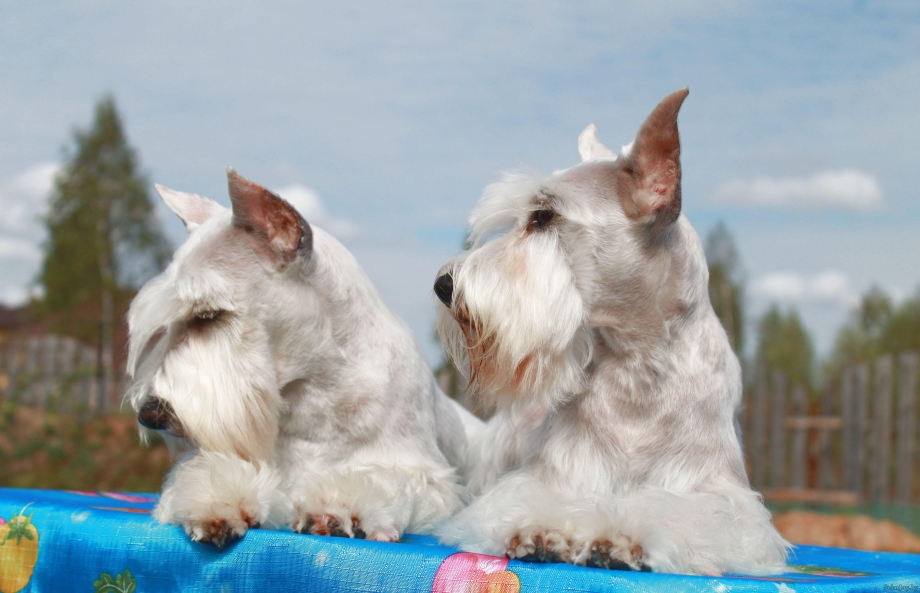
(18, 249)
(24, 198)
(847, 189)
(37, 180)
(310, 206)
(830, 287)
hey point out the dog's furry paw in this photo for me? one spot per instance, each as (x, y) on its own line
(617, 553)
(217, 498)
(329, 525)
(539, 545)
(340, 525)
(220, 530)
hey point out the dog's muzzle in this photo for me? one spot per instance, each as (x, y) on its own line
(157, 414)
(444, 288)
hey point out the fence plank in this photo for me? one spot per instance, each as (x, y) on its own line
(799, 437)
(89, 383)
(880, 466)
(778, 429)
(853, 402)
(825, 442)
(30, 390)
(13, 369)
(66, 392)
(4, 376)
(47, 383)
(54, 372)
(758, 448)
(907, 427)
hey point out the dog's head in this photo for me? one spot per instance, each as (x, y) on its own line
(199, 333)
(550, 258)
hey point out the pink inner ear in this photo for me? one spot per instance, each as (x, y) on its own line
(656, 154)
(266, 216)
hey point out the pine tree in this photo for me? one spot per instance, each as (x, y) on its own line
(103, 237)
(877, 326)
(784, 344)
(726, 284)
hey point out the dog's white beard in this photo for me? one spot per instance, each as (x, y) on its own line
(222, 388)
(522, 329)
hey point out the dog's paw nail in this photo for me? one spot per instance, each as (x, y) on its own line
(219, 533)
(356, 527)
(318, 525)
(547, 546)
(337, 529)
(607, 554)
(249, 519)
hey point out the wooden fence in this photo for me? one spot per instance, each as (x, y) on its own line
(856, 443)
(56, 373)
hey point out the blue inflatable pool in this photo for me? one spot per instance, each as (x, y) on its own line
(107, 543)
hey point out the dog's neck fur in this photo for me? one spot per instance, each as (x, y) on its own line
(636, 375)
(632, 349)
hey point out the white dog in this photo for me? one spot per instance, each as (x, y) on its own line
(593, 305)
(304, 399)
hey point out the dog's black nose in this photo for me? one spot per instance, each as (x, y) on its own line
(156, 414)
(444, 288)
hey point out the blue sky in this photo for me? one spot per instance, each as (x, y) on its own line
(386, 120)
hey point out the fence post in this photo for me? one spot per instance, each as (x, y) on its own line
(853, 392)
(89, 383)
(880, 466)
(31, 370)
(12, 372)
(5, 372)
(49, 346)
(826, 478)
(907, 426)
(758, 445)
(67, 393)
(799, 438)
(778, 432)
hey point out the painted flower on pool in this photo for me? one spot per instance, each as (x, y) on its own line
(466, 572)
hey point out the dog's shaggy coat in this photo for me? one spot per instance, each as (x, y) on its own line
(584, 297)
(304, 398)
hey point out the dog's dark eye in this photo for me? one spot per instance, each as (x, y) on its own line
(541, 218)
(208, 315)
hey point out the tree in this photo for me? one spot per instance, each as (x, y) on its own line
(877, 326)
(103, 238)
(726, 284)
(783, 344)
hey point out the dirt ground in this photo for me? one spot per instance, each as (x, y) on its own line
(846, 531)
(69, 452)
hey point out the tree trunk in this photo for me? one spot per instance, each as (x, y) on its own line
(106, 321)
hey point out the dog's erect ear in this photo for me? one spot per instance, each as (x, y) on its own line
(589, 147)
(278, 230)
(654, 165)
(193, 209)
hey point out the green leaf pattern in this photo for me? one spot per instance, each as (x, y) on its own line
(122, 583)
(19, 527)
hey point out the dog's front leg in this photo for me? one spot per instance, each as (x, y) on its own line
(724, 529)
(376, 502)
(216, 497)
